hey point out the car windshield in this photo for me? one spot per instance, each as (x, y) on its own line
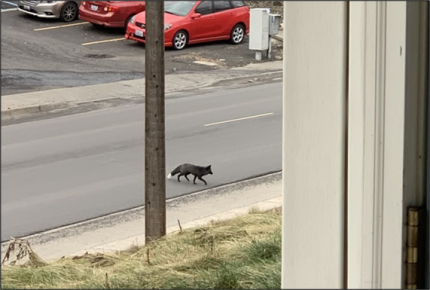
(180, 8)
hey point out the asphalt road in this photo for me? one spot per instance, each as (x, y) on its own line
(40, 54)
(68, 169)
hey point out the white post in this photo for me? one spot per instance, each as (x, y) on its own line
(269, 51)
(314, 107)
(258, 55)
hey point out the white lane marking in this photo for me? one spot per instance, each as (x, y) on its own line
(60, 26)
(10, 3)
(9, 9)
(240, 119)
(205, 63)
(103, 41)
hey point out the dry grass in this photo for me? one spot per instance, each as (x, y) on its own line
(242, 253)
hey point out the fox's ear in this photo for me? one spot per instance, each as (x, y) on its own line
(209, 166)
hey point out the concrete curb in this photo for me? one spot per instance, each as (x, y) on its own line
(31, 110)
(118, 217)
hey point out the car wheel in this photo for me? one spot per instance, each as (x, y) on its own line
(69, 12)
(127, 21)
(237, 34)
(180, 40)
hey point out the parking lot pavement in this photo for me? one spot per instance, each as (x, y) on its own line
(41, 54)
(8, 6)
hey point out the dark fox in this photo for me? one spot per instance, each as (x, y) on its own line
(187, 169)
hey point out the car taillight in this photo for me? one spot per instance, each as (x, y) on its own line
(111, 9)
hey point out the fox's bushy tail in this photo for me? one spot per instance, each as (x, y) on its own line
(174, 172)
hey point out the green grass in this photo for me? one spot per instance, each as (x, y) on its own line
(242, 253)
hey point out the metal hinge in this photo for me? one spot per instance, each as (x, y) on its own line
(413, 248)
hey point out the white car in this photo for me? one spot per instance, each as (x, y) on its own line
(65, 10)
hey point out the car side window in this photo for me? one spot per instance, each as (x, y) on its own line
(221, 5)
(204, 8)
(237, 4)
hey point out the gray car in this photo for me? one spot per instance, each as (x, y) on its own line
(65, 10)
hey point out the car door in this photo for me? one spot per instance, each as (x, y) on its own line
(224, 14)
(203, 27)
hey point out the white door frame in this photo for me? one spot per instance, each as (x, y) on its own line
(377, 126)
(385, 106)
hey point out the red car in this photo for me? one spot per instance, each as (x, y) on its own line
(188, 22)
(110, 13)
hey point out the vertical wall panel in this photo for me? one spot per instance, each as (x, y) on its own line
(314, 143)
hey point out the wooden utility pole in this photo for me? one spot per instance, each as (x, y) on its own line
(155, 155)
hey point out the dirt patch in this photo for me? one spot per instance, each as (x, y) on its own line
(195, 56)
(228, 56)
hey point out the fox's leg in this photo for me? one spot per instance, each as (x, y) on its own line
(186, 176)
(195, 176)
(180, 174)
(203, 180)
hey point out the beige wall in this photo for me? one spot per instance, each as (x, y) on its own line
(314, 144)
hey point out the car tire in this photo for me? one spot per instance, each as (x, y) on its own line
(127, 21)
(237, 34)
(180, 40)
(69, 12)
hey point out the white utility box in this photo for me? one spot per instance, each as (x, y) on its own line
(275, 22)
(259, 29)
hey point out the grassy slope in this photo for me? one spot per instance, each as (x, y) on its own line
(242, 253)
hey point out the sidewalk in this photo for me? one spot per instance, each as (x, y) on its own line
(45, 101)
(121, 230)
